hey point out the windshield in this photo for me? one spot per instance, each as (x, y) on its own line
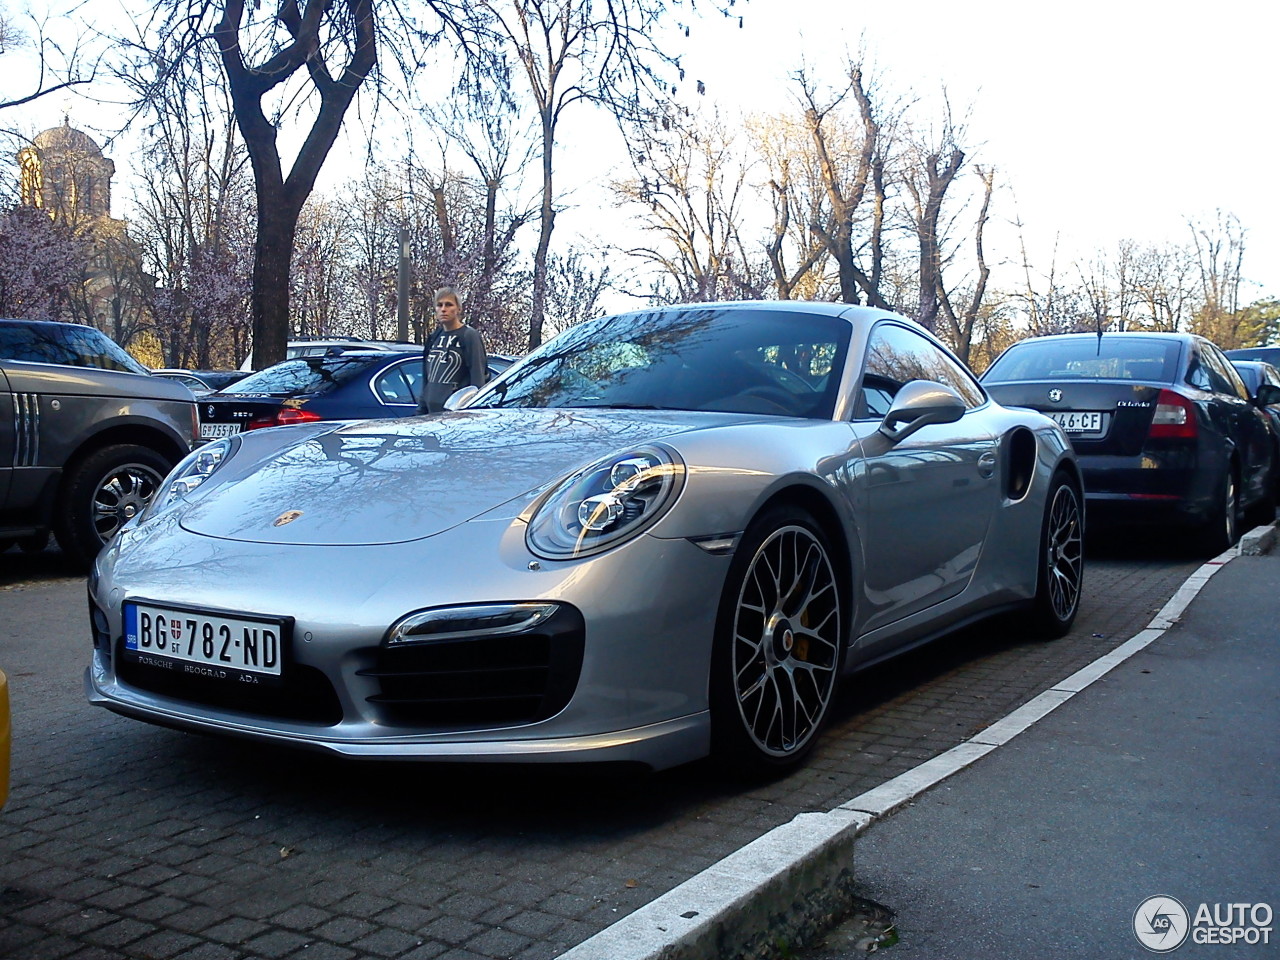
(305, 375)
(735, 360)
(1149, 359)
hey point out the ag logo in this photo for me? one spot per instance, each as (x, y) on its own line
(1161, 924)
(287, 517)
(1055, 395)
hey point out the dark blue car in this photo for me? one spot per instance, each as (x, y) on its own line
(343, 385)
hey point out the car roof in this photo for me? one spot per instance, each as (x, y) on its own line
(1116, 335)
(17, 322)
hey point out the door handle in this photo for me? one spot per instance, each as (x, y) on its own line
(987, 465)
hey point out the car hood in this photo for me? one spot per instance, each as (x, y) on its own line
(391, 481)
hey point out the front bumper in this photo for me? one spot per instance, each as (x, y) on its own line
(647, 612)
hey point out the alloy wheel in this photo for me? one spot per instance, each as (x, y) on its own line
(786, 641)
(121, 495)
(1231, 509)
(1064, 552)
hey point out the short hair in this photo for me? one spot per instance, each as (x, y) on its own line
(447, 292)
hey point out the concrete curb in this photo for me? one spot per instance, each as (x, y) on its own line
(1258, 541)
(790, 883)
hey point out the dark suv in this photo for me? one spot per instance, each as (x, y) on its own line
(86, 435)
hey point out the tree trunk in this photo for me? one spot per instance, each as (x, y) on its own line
(546, 225)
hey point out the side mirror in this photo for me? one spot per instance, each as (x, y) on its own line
(919, 404)
(458, 399)
(1268, 393)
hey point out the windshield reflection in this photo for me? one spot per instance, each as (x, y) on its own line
(763, 361)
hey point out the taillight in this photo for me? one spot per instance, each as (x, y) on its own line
(1175, 416)
(284, 417)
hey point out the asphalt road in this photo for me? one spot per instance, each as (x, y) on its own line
(124, 840)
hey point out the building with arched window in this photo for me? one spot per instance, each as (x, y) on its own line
(65, 173)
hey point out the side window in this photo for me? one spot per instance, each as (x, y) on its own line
(895, 357)
(1222, 375)
(87, 347)
(34, 345)
(400, 383)
(1198, 371)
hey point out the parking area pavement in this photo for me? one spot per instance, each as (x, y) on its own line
(124, 840)
(1138, 814)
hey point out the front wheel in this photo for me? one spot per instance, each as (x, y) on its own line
(1061, 562)
(777, 646)
(102, 492)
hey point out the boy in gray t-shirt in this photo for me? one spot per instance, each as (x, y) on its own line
(454, 356)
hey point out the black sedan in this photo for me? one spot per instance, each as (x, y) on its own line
(344, 385)
(1269, 355)
(1165, 429)
(1257, 374)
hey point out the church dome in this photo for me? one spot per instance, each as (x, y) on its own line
(67, 139)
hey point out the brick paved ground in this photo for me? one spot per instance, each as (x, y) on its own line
(124, 840)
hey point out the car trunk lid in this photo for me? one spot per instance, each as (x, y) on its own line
(1106, 417)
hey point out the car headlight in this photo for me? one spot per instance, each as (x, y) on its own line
(190, 473)
(606, 503)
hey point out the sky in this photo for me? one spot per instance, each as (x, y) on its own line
(1107, 120)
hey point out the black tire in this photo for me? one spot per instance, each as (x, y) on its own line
(1222, 529)
(1060, 573)
(103, 491)
(777, 647)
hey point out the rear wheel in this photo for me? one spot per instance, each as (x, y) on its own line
(104, 491)
(1222, 529)
(777, 646)
(1061, 566)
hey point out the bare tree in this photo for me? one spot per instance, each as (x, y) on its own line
(484, 127)
(575, 285)
(58, 66)
(930, 169)
(299, 60)
(796, 250)
(961, 321)
(689, 191)
(1219, 249)
(852, 165)
(570, 52)
(1162, 285)
(192, 223)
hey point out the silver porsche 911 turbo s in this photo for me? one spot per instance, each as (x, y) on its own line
(661, 535)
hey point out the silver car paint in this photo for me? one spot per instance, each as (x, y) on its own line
(453, 533)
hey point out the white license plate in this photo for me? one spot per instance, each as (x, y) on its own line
(1078, 422)
(215, 431)
(205, 644)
